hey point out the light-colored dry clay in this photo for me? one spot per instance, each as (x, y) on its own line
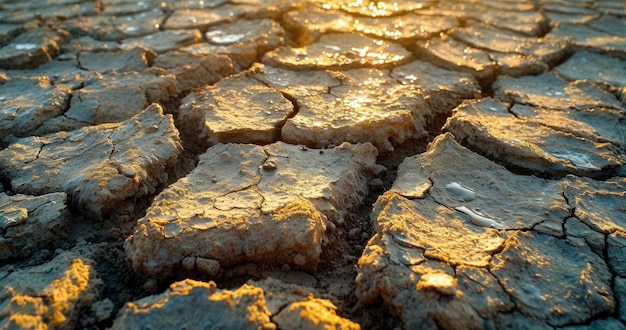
(487, 127)
(49, 296)
(97, 166)
(266, 304)
(243, 202)
(29, 223)
(337, 52)
(28, 103)
(237, 109)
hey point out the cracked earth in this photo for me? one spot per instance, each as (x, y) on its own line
(315, 164)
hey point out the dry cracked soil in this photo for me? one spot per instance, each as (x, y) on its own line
(340, 164)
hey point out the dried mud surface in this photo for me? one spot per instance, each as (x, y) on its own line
(312, 164)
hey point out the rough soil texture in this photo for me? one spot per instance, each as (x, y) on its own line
(313, 164)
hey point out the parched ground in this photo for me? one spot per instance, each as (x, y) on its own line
(313, 164)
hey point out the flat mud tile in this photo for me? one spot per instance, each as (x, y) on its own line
(556, 18)
(487, 127)
(8, 32)
(610, 24)
(30, 223)
(265, 9)
(195, 4)
(369, 106)
(131, 26)
(277, 204)
(32, 48)
(243, 41)
(297, 84)
(452, 55)
(164, 41)
(530, 23)
(517, 17)
(549, 50)
(446, 89)
(265, 304)
(585, 37)
(311, 23)
(549, 91)
(132, 60)
(97, 166)
(339, 52)
(237, 109)
(595, 68)
(201, 18)
(374, 8)
(335, 107)
(599, 204)
(598, 125)
(458, 178)
(117, 97)
(531, 264)
(440, 255)
(49, 296)
(192, 71)
(53, 11)
(125, 7)
(28, 103)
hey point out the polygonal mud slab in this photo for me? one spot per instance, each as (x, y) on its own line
(406, 264)
(266, 304)
(547, 50)
(164, 41)
(610, 24)
(192, 71)
(551, 92)
(97, 166)
(30, 223)
(194, 4)
(458, 178)
(125, 7)
(552, 281)
(369, 106)
(28, 103)
(192, 304)
(374, 8)
(585, 37)
(117, 97)
(201, 18)
(135, 59)
(49, 296)
(51, 12)
(487, 127)
(444, 89)
(520, 17)
(616, 242)
(237, 109)
(243, 41)
(334, 107)
(105, 27)
(339, 52)
(597, 125)
(8, 32)
(32, 48)
(450, 54)
(433, 254)
(278, 204)
(594, 67)
(599, 204)
(531, 23)
(311, 23)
